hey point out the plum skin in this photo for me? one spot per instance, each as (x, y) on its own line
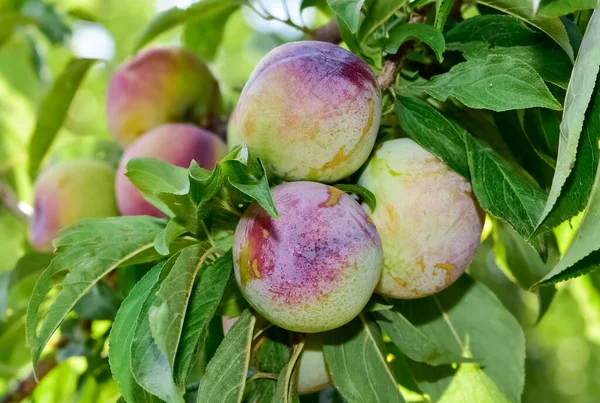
(310, 111)
(175, 143)
(160, 85)
(67, 192)
(429, 221)
(313, 374)
(316, 267)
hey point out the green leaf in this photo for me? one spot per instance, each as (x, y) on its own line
(542, 127)
(168, 311)
(233, 302)
(521, 263)
(485, 35)
(165, 238)
(121, 337)
(251, 179)
(432, 131)
(205, 10)
(355, 356)
(203, 34)
(581, 257)
(425, 33)
(10, 21)
(154, 178)
(287, 382)
(88, 250)
(365, 194)
(523, 9)
(348, 11)
(442, 11)
(578, 133)
(53, 110)
(225, 376)
(501, 191)
(149, 366)
(28, 265)
(204, 301)
(498, 83)
(379, 12)
(413, 342)
(469, 320)
(556, 8)
(50, 23)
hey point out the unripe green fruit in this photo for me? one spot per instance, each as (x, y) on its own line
(68, 192)
(310, 111)
(316, 267)
(428, 219)
(313, 374)
(160, 85)
(175, 143)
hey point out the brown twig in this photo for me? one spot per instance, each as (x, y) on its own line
(9, 200)
(26, 387)
(329, 32)
(392, 66)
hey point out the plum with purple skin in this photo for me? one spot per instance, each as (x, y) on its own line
(68, 192)
(310, 111)
(175, 143)
(160, 85)
(316, 267)
(429, 221)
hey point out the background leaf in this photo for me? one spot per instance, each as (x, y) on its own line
(425, 33)
(498, 83)
(225, 376)
(88, 250)
(355, 356)
(348, 11)
(121, 337)
(53, 110)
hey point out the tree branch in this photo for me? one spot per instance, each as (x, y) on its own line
(329, 32)
(392, 66)
(26, 387)
(9, 200)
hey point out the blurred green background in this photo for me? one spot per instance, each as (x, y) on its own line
(563, 363)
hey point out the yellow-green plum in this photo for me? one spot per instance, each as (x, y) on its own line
(233, 132)
(160, 85)
(175, 143)
(429, 221)
(68, 192)
(313, 374)
(316, 267)
(310, 111)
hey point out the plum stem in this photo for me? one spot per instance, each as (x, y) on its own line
(392, 66)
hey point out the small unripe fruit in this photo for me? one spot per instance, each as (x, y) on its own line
(68, 192)
(176, 143)
(310, 111)
(158, 86)
(429, 221)
(316, 267)
(313, 374)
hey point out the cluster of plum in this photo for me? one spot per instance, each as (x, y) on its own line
(311, 112)
(156, 106)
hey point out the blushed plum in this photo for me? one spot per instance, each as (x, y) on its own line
(316, 267)
(310, 111)
(160, 85)
(68, 192)
(429, 221)
(175, 143)
(313, 374)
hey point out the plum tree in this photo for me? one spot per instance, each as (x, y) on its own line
(310, 111)
(313, 374)
(175, 143)
(316, 267)
(429, 221)
(68, 192)
(160, 85)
